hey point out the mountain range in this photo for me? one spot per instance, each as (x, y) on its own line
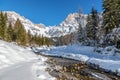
(69, 25)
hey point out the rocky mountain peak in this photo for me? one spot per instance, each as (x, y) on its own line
(70, 24)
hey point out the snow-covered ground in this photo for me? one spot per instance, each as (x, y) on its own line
(18, 63)
(19, 71)
(109, 61)
(10, 54)
(39, 69)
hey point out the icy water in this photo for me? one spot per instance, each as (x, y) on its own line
(68, 69)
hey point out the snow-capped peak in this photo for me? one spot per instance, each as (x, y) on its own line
(70, 24)
(28, 25)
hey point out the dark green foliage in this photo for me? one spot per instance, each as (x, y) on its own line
(28, 38)
(25, 38)
(19, 33)
(80, 29)
(40, 40)
(80, 33)
(107, 16)
(92, 26)
(111, 14)
(94, 23)
(21, 36)
(111, 20)
(9, 33)
(43, 40)
(3, 21)
(88, 27)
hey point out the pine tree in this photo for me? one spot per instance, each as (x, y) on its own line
(88, 27)
(16, 28)
(111, 14)
(116, 12)
(92, 26)
(80, 33)
(111, 19)
(35, 38)
(94, 16)
(118, 9)
(80, 36)
(28, 37)
(43, 40)
(19, 33)
(9, 33)
(3, 21)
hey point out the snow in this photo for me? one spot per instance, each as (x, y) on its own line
(69, 25)
(10, 54)
(18, 63)
(97, 76)
(110, 61)
(111, 65)
(39, 69)
(28, 25)
(19, 71)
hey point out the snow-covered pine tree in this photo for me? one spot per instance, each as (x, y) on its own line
(92, 27)
(111, 14)
(111, 20)
(88, 27)
(80, 36)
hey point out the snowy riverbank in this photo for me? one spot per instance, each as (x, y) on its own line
(110, 62)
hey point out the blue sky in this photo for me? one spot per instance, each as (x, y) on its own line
(48, 12)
